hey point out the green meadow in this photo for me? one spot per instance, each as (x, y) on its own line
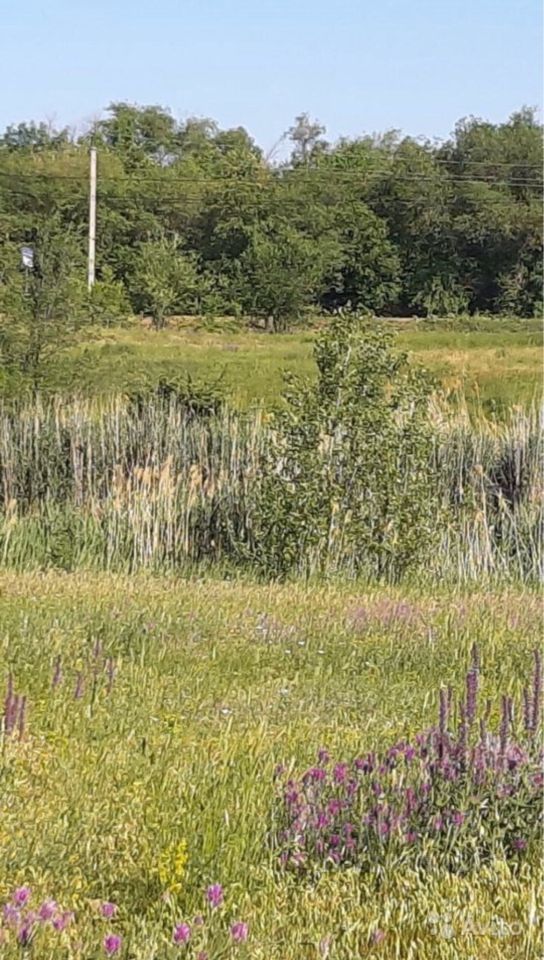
(157, 712)
(492, 363)
(166, 705)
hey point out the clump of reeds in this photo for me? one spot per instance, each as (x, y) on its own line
(116, 485)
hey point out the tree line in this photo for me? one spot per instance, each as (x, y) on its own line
(194, 219)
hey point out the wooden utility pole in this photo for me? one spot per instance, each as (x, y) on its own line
(92, 219)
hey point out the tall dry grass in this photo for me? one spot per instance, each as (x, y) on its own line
(115, 485)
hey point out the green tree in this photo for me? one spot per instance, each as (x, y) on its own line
(34, 136)
(108, 302)
(138, 133)
(165, 279)
(392, 224)
(348, 481)
(306, 136)
(280, 272)
(41, 309)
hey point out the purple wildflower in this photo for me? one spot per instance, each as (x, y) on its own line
(110, 668)
(537, 690)
(57, 673)
(21, 896)
(458, 818)
(112, 943)
(340, 772)
(527, 709)
(322, 820)
(108, 910)
(11, 914)
(315, 775)
(378, 936)
(505, 723)
(25, 932)
(214, 895)
(63, 920)
(47, 910)
(515, 756)
(8, 705)
(472, 694)
(80, 683)
(182, 933)
(239, 931)
(462, 744)
(291, 795)
(519, 843)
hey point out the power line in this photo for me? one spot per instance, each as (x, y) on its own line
(260, 195)
(265, 204)
(287, 179)
(144, 140)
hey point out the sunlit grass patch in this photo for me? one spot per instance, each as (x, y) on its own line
(145, 788)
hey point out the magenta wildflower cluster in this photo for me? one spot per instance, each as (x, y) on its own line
(14, 711)
(183, 932)
(23, 922)
(456, 794)
(100, 672)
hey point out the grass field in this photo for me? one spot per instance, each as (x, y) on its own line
(161, 738)
(495, 363)
(157, 711)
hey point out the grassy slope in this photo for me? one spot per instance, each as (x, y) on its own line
(496, 365)
(203, 707)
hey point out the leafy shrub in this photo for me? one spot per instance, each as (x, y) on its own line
(194, 399)
(455, 796)
(443, 297)
(108, 302)
(348, 477)
(165, 278)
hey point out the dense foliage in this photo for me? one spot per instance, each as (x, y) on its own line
(195, 219)
(348, 470)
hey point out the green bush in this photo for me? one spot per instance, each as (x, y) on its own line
(108, 302)
(348, 480)
(193, 398)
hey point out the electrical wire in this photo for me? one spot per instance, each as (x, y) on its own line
(292, 176)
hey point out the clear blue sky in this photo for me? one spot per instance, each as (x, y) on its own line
(356, 65)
